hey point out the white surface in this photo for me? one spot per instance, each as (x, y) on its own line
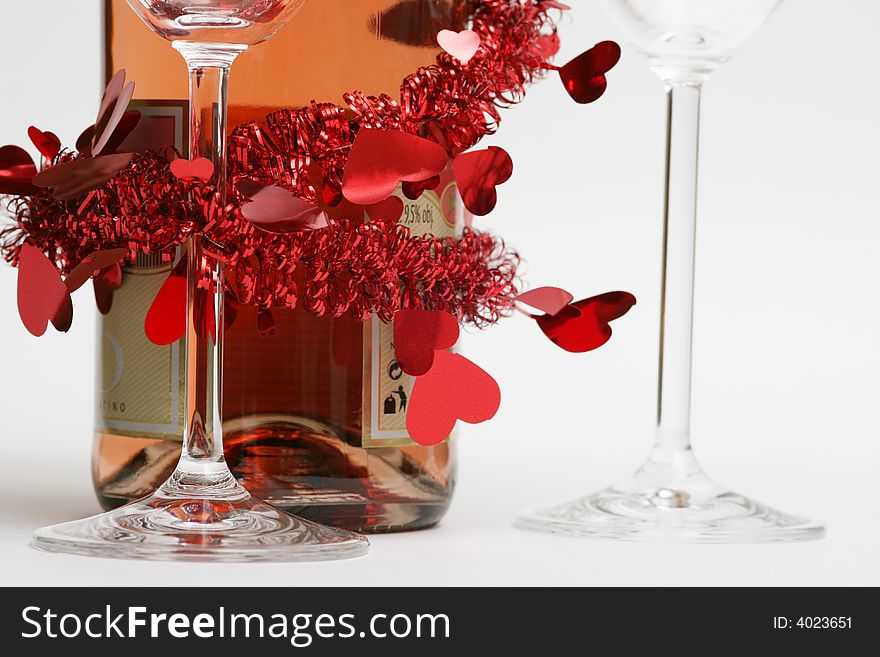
(786, 323)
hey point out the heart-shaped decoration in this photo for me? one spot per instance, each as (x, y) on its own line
(105, 283)
(165, 322)
(461, 45)
(548, 299)
(380, 159)
(455, 389)
(75, 178)
(114, 105)
(276, 210)
(200, 168)
(418, 334)
(387, 211)
(91, 265)
(413, 190)
(584, 76)
(584, 325)
(42, 294)
(47, 143)
(17, 171)
(129, 121)
(478, 173)
(63, 319)
(334, 204)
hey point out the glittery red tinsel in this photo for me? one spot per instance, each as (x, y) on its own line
(350, 267)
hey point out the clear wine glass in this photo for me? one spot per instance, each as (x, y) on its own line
(670, 498)
(202, 512)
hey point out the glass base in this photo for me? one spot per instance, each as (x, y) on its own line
(671, 500)
(228, 525)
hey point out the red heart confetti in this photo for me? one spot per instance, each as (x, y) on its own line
(41, 292)
(47, 143)
(548, 300)
(387, 211)
(114, 105)
(584, 76)
(166, 319)
(201, 168)
(126, 126)
(75, 178)
(276, 210)
(454, 389)
(380, 159)
(330, 198)
(478, 173)
(91, 265)
(461, 45)
(105, 283)
(418, 334)
(584, 325)
(413, 190)
(17, 171)
(63, 319)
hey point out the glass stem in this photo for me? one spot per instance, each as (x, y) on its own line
(677, 296)
(202, 464)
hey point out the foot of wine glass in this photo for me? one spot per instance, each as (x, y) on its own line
(670, 498)
(201, 512)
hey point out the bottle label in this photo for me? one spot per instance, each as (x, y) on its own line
(139, 387)
(386, 388)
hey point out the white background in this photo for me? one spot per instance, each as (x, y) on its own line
(786, 355)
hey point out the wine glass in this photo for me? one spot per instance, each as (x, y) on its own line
(670, 498)
(201, 512)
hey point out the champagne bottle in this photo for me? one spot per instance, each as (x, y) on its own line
(314, 417)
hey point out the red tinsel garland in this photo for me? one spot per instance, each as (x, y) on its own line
(351, 266)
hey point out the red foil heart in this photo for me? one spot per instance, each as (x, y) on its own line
(387, 211)
(584, 76)
(63, 318)
(548, 300)
(114, 105)
(584, 325)
(126, 126)
(75, 178)
(413, 190)
(455, 389)
(276, 210)
(47, 143)
(418, 334)
(200, 168)
(41, 292)
(17, 171)
(105, 283)
(461, 45)
(91, 265)
(478, 173)
(166, 319)
(381, 159)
